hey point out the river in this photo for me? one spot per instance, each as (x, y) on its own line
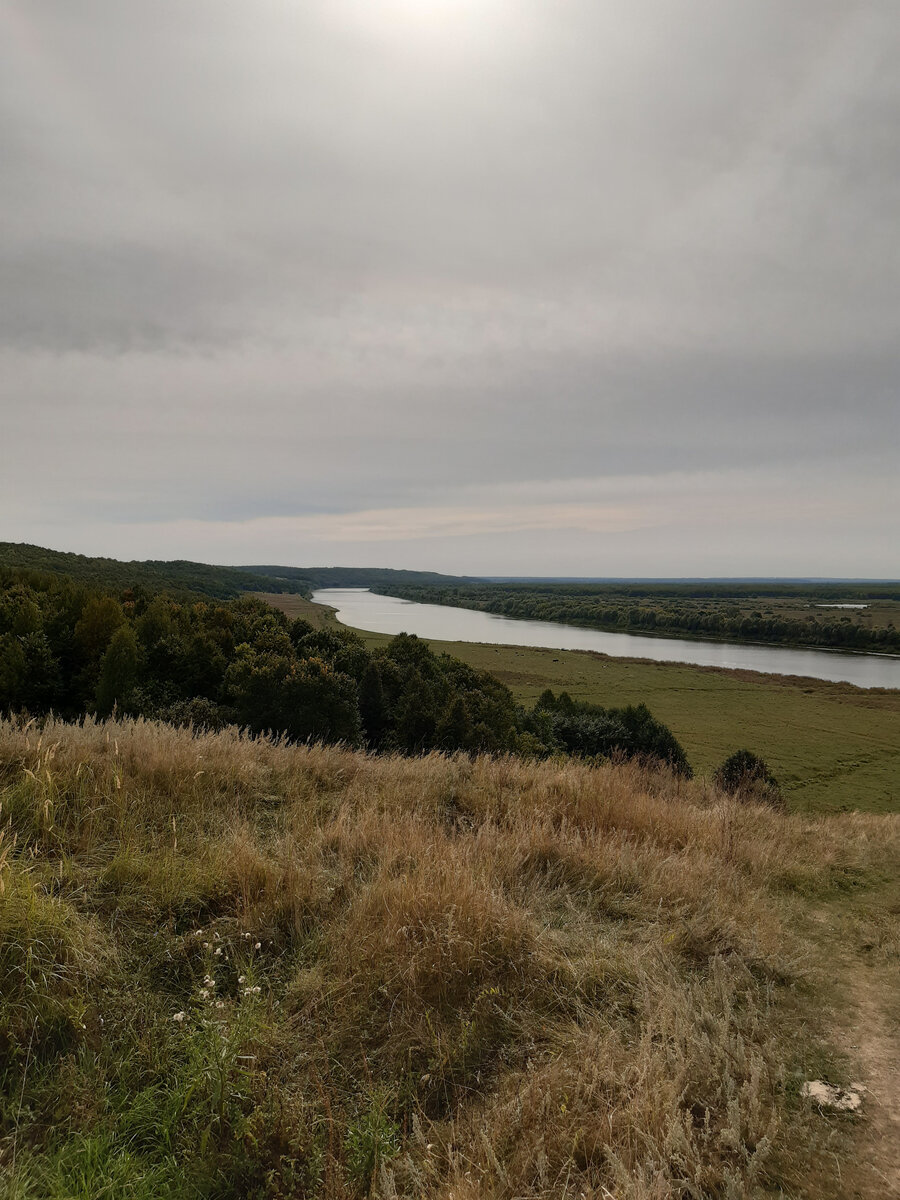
(363, 609)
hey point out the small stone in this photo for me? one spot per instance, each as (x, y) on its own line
(827, 1095)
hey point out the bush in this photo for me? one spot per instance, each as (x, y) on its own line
(746, 775)
(591, 731)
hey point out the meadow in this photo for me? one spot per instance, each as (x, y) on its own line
(231, 967)
(833, 747)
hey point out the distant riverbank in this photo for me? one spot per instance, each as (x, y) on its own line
(364, 609)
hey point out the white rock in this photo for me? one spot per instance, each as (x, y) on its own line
(848, 1099)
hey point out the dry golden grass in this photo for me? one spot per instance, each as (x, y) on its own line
(475, 978)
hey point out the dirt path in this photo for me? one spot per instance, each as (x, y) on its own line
(875, 1044)
(859, 948)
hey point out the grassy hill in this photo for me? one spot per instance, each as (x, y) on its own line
(239, 968)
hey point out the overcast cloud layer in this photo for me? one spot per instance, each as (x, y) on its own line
(483, 286)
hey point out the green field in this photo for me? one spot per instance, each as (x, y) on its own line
(834, 747)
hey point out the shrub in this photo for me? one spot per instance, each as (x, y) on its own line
(746, 775)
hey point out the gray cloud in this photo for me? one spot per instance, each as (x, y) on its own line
(279, 260)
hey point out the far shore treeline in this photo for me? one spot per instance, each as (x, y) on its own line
(769, 613)
(74, 648)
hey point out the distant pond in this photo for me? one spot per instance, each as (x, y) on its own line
(364, 609)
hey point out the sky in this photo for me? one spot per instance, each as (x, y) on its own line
(536, 287)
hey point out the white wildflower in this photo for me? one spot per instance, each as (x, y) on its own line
(218, 950)
(241, 978)
(220, 1004)
(204, 993)
(179, 1017)
(257, 946)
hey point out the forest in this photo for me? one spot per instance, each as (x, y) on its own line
(72, 649)
(184, 578)
(768, 613)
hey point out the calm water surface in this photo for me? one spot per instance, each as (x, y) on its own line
(386, 614)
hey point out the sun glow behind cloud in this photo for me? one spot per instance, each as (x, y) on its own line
(439, 26)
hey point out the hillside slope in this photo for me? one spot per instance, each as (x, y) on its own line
(222, 583)
(373, 577)
(177, 576)
(238, 968)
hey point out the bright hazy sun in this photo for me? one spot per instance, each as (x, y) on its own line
(400, 19)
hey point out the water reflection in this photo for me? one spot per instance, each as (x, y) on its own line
(364, 609)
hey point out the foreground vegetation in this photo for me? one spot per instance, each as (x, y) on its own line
(236, 968)
(768, 613)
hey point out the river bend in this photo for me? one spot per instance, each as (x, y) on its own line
(364, 609)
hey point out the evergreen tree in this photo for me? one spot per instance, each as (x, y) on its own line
(373, 706)
(454, 730)
(101, 617)
(415, 722)
(118, 671)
